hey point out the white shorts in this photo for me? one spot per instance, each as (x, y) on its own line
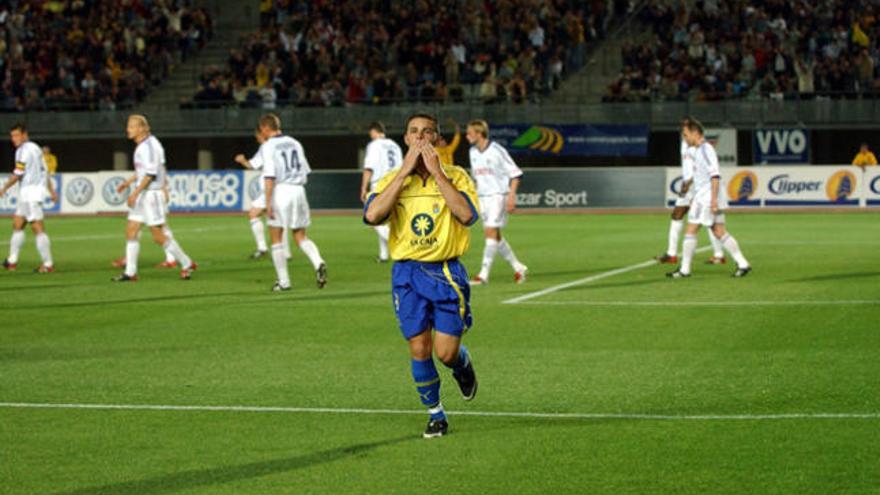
(260, 202)
(701, 213)
(32, 211)
(290, 207)
(493, 211)
(149, 209)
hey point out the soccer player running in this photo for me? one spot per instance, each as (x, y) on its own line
(258, 206)
(285, 173)
(708, 204)
(428, 206)
(383, 155)
(147, 202)
(682, 205)
(497, 178)
(32, 175)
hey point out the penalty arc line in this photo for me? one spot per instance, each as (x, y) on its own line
(586, 280)
(502, 414)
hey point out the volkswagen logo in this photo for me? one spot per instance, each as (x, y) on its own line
(112, 197)
(79, 191)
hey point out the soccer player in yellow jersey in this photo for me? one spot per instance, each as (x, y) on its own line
(429, 206)
(864, 157)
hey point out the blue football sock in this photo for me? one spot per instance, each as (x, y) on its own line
(428, 385)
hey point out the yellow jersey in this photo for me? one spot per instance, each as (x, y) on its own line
(447, 152)
(422, 228)
(51, 162)
(863, 159)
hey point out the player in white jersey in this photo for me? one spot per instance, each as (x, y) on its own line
(32, 176)
(285, 173)
(383, 155)
(258, 205)
(169, 262)
(708, 206)
(497, 178)
(147, 204)
(682, 204)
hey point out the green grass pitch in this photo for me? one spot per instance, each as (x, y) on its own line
(799, 336)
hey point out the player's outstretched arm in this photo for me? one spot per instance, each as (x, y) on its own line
(365, 184)
(511, 196)
(51, 187)
(9, 183)
(243, 161)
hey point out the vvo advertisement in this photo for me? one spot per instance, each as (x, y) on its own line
(9, 201)
(872, 186)
(782, 146)
(724, 142)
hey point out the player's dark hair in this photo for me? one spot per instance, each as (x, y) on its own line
(694, 125)
(19, 126)
(377, 126)
(270, 120)
(423, 116)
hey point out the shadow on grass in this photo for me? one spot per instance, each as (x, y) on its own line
(198, 478)
(836, 276)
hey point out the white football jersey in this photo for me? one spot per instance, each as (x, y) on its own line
(149, 159)
(687, 161)
(383, 155)
(284, 159)
(705, 168)
(31, 168)
(492, 169)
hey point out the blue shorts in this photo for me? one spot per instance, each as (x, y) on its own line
(431, 295)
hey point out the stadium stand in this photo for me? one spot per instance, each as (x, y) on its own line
(310, 53)
(736, 49)
(88, 55)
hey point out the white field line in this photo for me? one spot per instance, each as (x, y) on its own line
(705, 303)
(586, 280)
(502, 414)
(97, 237)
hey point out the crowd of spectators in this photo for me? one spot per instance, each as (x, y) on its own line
(326, 53)
(737, 49)
(92, 54)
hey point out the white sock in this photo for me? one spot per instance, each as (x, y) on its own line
(285, 241)
(488, 257)
(174, 248)
(169, 257)
(717, 249)
(280, 262)
(506, 252)
(383, 232)
(259, 234)
(688, 248)
(132, 248)
(15, 245)
(44, 247)
(732, 247)
(675, 227)
(311, 250)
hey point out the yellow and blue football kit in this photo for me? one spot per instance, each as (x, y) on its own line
(429, 286)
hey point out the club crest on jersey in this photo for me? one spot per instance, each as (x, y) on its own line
(422, 224)
(436, 208)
